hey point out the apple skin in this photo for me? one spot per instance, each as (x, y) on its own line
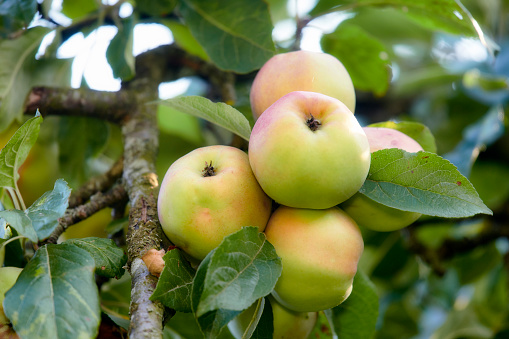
(320, 250)
(369, 213)
(302, 168)
(300, 71)
(197, 212)
(287, 324)
(8, 277)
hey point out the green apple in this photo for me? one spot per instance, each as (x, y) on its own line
(208, 194)
(300, 71)
(308, 151)
(320, 250)
(369, 213)
(8, 277)
(287, 324)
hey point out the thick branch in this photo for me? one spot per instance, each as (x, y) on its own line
(144, 232)
(146, 316)
(97, 202)
(169, 62)
(110, 106)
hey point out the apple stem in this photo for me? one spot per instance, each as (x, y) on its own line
(209, 170)
(313, 123)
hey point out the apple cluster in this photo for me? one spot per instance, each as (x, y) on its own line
(309, 156)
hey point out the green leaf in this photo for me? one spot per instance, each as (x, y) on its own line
(79, 8)
(80, 139)
(236, 34)
(16, 15)
(175, 283)
(463, 323)
(185, 39)
(120, 51)
(55, 295)
(46, 211)
(116, 297)
(446, 15)
(490, 180)
(351, 44)
(109, 258)
(264, 326)
(40, 219)
(174, 122)
(242, 269)
(482, 133)
(213, 322)
(490, 297)
(474, 264)
(184, 325)
(16, 151)
(218, 113)
(356, 317)
(156, 7)
(421, 182)
(20, 72)
(474, 78)
(414, 130)
(21, 223)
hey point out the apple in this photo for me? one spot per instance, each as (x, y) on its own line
(287, 324)
(369, 213)
(320, 250)
(308, 151)
(8, 277)
(300, 71)
(208, 194)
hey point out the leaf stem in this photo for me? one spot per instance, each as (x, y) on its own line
(20, 197)
(11, 240)
(14, 198)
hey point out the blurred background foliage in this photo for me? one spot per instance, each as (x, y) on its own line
(416, 61)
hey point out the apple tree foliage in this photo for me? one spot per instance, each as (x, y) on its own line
(435, 70)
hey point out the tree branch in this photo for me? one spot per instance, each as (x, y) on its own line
(144, 232)
(109, 106)
(495, 228)
(97, 202)
(137, 120)
(97, 184)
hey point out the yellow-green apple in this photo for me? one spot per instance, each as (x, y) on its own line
(208, 194)
(301, 71)
(320, 250)
(308, 151)
(8, 277)
(369, 213)
(287, 324)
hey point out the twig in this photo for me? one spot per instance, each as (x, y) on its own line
(97, 184)
(494, 229)
(97, 202)
(452, 247)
